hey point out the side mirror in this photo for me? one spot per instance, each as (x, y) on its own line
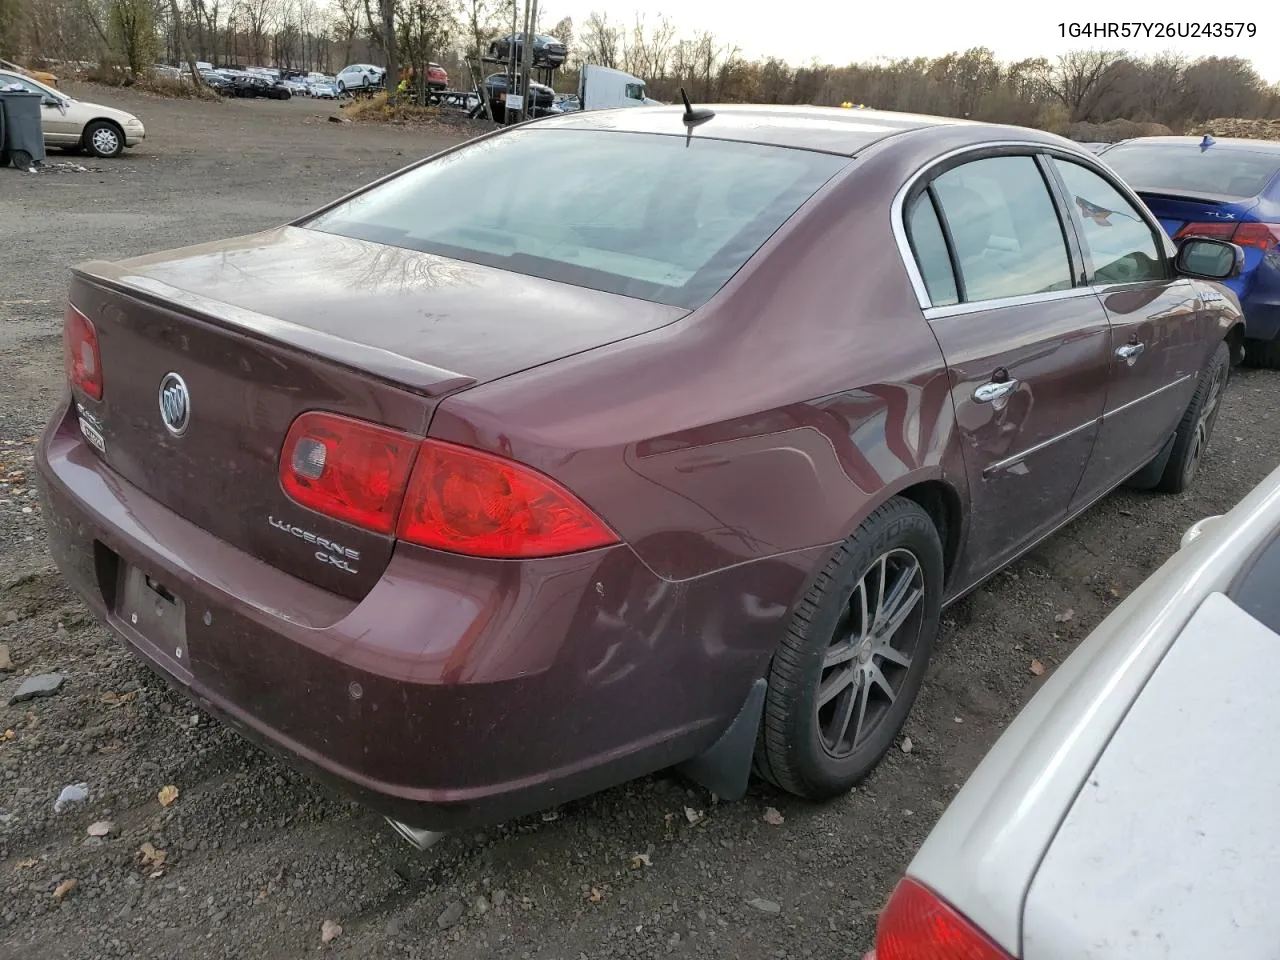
(1209, 259)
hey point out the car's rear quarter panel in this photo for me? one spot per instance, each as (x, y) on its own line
(769, 421)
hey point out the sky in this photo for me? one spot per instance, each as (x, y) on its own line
(840, 32)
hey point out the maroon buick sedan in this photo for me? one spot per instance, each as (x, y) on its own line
(617, 441)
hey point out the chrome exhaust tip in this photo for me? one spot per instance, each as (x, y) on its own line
(419, 839)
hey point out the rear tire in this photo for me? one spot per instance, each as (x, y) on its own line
(1264, 354)
(1196, 427)
(854, 656)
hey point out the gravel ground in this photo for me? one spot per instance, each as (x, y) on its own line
(251, 859)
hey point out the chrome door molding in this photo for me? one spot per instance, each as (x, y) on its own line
(1148, 396)
(1017, 458)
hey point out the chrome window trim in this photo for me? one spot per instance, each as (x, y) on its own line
(897, 220)
(982, 306)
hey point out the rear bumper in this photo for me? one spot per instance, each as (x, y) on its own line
(458, 692)
(1261, 319)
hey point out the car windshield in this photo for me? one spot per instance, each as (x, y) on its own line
(1185, 168)
(642, 215)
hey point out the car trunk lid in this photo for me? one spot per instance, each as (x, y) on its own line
(264, 329)
(1175, 211)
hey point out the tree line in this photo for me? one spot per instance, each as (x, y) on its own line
(1062, 93)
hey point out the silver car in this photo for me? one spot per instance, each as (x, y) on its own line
(1129, 811)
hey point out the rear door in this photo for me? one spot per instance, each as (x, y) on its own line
(1025, 346)
(1158, 324)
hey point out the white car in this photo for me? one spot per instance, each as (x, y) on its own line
(323, 89)
(359, 76)
(1129, 811)
(68, 122)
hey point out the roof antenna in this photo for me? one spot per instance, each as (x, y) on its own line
(1207, 142)
(693, 117)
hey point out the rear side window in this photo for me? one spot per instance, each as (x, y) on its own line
(1004, 228)
(1121, 244)
(930, 248)
(642, 215)
(1184, 168)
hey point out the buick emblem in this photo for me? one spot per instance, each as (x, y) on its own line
(175, 404)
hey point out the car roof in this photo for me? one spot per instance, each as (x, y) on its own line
(827, 129)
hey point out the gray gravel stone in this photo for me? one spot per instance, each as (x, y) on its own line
(44, 685)
(452, 914)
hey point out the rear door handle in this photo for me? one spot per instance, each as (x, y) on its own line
(994, 390)
(1130, 351)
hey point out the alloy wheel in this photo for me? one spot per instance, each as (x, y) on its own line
(871, 652)
(106, 141)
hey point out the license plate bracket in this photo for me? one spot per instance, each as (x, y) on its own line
(155, 613)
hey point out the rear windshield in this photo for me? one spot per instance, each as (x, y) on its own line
(642, 215)
(1185, 168)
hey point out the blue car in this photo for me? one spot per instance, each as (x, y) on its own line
(1221, 188)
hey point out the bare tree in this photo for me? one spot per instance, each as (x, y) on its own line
(132, 28)
(424, 27)
(259, 15)
(601, 43)
(346, 26)
(1081, 78)
(478, 20)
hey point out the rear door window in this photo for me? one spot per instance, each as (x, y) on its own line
(1004, 228)
(1120, 242)
(930, 248)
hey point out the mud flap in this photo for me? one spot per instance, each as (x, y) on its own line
(1150, 475)
(725, 767)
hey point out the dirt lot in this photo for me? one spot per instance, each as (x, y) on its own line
(257, 858)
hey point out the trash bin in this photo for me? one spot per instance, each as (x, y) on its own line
(23, 137)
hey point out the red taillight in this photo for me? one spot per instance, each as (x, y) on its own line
(347, 469)
(470, 502)
(432, 493)
(919, 925)
(80, 353)
(1218, 231)
(1263, 236)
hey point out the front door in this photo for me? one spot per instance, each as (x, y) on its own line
(1026, 348)
(1158, 326)
(52, 122)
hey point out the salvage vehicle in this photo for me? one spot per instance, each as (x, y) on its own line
(360, 77)
(256, 85)
(40, 76)
(547, 50)
(495, 86)
(1123, 813)
(798, 378)
(1224, 188)
(324, 88)
(77, 124)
